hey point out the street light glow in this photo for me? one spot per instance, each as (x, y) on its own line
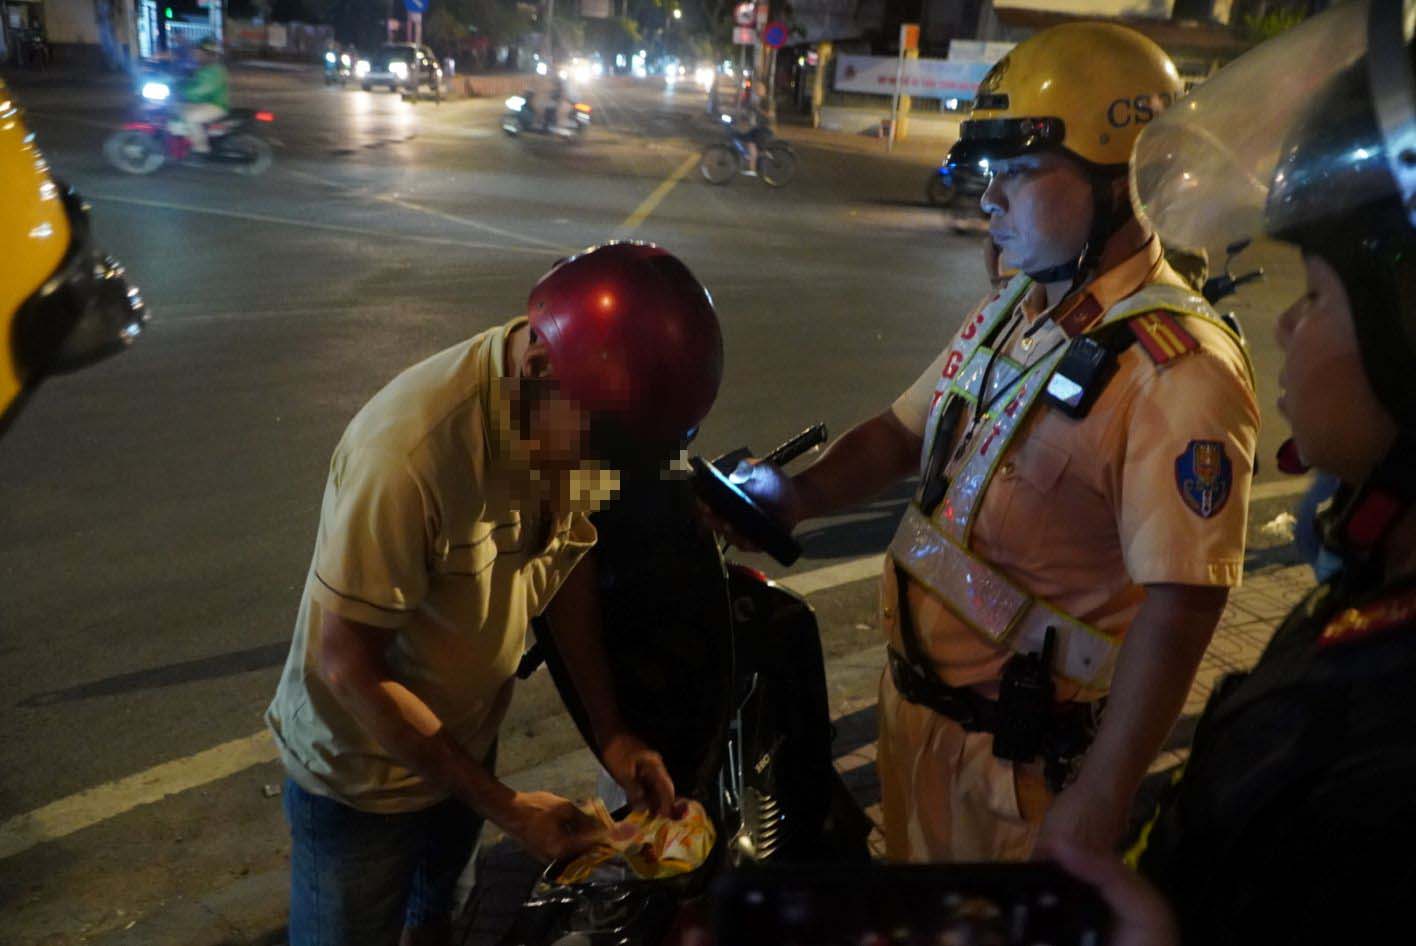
(678, 14)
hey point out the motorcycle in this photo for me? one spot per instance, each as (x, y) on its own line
(338, 67)
(961, 174)
(522, 116)
(160, 136)
(719, 669)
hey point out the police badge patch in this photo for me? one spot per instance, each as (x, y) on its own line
(1204, 475)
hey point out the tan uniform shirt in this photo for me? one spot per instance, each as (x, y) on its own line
(1081, 513)
(429, 526)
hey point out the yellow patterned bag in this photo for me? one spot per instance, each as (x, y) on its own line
(652, 846)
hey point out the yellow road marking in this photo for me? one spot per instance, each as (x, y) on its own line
(642, 212)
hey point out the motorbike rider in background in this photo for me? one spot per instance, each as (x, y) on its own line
(205, 95)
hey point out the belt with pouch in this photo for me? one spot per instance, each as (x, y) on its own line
(1059, 736)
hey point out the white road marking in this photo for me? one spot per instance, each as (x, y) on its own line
(820, 579)
(418, 208)
(328, 227)
(468, 222)
(91, 806)
(84, 809)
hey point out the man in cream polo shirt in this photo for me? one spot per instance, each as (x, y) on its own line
(456, 510)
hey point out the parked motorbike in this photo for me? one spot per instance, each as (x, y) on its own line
(962, 175)
(160, 136)
(523, 114)
(719, 669)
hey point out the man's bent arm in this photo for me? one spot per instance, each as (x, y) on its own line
(859, 465)
(1154, 671)
(352, 664)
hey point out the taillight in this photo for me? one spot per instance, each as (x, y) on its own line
(265, 116)
(747, 571)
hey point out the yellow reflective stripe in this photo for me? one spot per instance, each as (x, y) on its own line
(991, 604)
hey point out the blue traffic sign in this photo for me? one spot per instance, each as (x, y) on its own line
(775, 35)
(416, 6)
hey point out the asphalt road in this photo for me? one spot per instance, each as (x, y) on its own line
(158, 511)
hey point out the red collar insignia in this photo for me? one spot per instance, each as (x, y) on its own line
(1356, 623)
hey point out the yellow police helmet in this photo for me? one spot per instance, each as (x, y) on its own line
(1086, 87)
(63, 305)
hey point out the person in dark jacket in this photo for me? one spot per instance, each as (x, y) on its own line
(1295, 817)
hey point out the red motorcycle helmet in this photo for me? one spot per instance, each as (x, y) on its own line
(633, 337)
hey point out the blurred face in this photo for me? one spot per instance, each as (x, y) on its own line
(1337, 421)
(556, 429)
(1040, 210)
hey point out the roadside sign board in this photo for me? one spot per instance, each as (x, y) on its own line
(744, 36)
(743, 14)
(775, 35)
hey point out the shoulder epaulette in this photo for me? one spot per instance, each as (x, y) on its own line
(1162, 336)
(1357, 623)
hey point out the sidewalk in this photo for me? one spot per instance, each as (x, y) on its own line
(797, 129)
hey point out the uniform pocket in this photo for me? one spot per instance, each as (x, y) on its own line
(1028, 479)
(1040, 465)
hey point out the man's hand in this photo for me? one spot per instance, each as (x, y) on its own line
(640, 771)
(551, 827)
(1082, 819)
(1143, 918)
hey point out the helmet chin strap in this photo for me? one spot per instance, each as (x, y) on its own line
(1108, 216)
(1360, 519)
(1063, 271)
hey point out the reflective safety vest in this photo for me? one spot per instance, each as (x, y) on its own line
(935, 550)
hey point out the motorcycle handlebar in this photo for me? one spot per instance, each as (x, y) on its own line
(813, 436)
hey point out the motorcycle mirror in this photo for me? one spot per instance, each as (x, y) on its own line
(1238, 246)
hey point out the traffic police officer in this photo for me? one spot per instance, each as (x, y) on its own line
(1296, 814)
(63, 303)
(1086, 444)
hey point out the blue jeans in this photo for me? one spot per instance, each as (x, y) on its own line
(356, 879)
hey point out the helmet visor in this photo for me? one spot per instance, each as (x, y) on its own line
(1203, 172)
(999, 138)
